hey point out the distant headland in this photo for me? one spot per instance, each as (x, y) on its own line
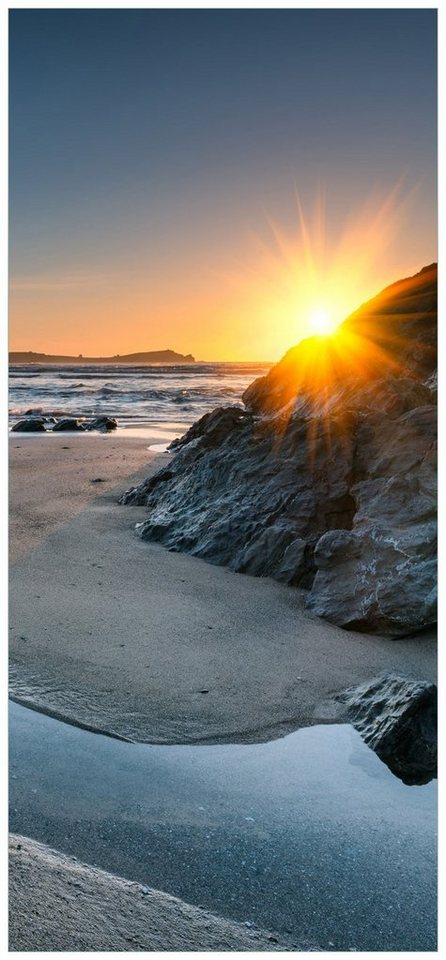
(154, 356)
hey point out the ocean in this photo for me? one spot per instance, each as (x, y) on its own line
(138, 396)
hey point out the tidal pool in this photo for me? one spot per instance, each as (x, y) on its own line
(310, 836)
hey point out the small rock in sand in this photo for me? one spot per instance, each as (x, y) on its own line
(30, 425)
(68, 423)
(103, 424)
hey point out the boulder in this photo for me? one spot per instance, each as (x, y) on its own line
(68, 423)
(381, 575)
(397, 718)
(371, 584)
(327, 480)
(103, 424)
(29, 425)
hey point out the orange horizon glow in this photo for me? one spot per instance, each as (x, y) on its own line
(250, 306)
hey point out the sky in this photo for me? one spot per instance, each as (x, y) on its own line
(211, 180)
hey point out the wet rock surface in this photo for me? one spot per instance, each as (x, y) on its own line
(327, 480)
(67, 423)
(103, 424)
(397, 718)
(29, 425)
(214, 427)
(34, 421)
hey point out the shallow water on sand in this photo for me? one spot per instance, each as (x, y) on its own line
(310, 835)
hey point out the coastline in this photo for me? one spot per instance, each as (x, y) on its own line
(110, 632)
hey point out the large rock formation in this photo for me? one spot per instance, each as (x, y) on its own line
(327, 478)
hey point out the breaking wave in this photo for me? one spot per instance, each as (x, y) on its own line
(132, 394)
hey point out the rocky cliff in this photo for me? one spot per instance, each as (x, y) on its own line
(326, 479)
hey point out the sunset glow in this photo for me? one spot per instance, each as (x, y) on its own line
(306, 281)
(368, 345)
(203, 217)
(281, 288)
(322, 323)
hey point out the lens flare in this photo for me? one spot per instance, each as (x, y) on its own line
(305, 277)
(322, 324)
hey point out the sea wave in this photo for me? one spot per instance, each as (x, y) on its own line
(134, 394)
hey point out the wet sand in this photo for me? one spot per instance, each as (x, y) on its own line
(51, 479)
(123, 636)
(57, 904)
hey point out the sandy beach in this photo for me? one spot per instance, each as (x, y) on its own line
(223, 480)
(124, 637)
(128, 638)
(59, 904)
(53, 478)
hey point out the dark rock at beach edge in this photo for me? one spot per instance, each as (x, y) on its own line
(67, 423)
(35, 423)
(29, 425)
(397, 717)
(103, 424)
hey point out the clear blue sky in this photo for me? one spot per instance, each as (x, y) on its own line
(146, 146)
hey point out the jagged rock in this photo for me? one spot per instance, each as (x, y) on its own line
(381, 575)
(246, 471)
(397, 718)
(68, 423)
(30, 425)
(213, 427)
(103, 424)
(364, 584)
(138, 495)
(328, 480)
(276, 551)
(392, 335)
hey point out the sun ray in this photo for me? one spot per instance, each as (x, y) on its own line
(298, 274)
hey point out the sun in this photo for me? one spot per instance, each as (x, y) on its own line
(321, 322)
